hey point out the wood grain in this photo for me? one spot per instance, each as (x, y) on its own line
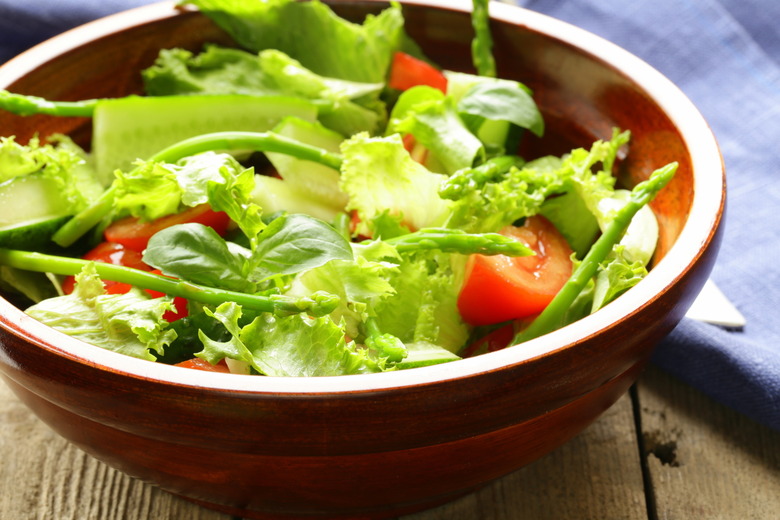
(706, 461)
(595, 476)
(42, 477)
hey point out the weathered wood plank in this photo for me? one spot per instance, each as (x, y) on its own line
(706, 461)
(42, 477)
(595, 476)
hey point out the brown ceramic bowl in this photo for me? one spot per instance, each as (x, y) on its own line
(384, 444)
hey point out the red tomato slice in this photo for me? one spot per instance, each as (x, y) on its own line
(179, 303)
(110, 253)
(491, 342)
(134, 234)
(407, 72)
(202, 364)
(501, 288)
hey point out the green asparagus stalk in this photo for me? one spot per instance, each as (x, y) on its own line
(551, 317)
(77, 226)
(29, 105)
(458, 241)
(257, 141)
(482, 44)
(319, 304)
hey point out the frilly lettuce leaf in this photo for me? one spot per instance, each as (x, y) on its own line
(490, 206)
(293, 346)
(424, 306)
(616, 275)
(61, 162)
(379, 175)
(130, 323)
(152, 190)
(360, 285)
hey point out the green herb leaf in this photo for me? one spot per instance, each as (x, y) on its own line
(196, 253)
(500, 101)
(295, 243)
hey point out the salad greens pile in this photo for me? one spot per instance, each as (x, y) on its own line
(353, 206)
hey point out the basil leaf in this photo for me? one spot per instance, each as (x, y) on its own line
(196, 253)
(294, 243)
(500, 101)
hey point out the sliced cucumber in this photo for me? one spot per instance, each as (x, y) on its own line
(314, 180)
(131, 128)
(32, 210)
(275, 195)
(422, 354)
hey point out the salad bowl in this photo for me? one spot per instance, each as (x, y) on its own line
(376, 445)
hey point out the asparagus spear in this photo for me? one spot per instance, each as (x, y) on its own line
(29, 105)
(458, 241)
(319, 304)
(482, 44)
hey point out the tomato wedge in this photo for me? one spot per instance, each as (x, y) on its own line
(407, 71)
(491, 342)
(110, 253)
(501, 288)
(202, 364)
(134, 234)
(179, 303)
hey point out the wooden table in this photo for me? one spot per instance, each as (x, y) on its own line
(664, 451)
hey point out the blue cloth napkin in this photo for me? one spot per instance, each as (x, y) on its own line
(725, 54)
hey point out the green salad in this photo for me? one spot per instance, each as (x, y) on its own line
(284, 208)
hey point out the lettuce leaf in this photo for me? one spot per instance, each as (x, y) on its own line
(291, 346)
(360, 284)
(216, 70)
(131, 324)
(152, 190)
(313, 34)
(379, 175)
(62, 163)
(424, 307)
(435, 124)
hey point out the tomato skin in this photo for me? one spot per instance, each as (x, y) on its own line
(110, 253)
(134, 234)
(202, 364)
(500, 288)
(491, 342)
(180, 304)
(407, 71)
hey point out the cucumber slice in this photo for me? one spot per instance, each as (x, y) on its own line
(311, 179)
(275, 195)
(422, 354)
(131, 128)
(33, 209)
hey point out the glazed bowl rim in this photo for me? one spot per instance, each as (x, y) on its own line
(704, 218)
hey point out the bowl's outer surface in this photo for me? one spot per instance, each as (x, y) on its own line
(383, 444)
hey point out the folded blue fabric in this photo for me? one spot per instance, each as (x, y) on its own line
(725, 54)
